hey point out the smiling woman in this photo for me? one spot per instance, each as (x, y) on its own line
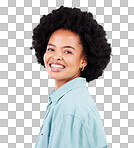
(62, 43)
(72, 47)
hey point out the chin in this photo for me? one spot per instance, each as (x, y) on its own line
(62, 77)
(57, 77)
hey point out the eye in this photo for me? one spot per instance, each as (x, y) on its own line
(68, 51)
(49, 49)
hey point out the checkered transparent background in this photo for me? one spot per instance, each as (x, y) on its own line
(24, 84)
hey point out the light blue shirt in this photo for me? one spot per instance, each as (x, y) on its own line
(72, 119)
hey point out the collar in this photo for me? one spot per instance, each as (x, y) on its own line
(54, 96)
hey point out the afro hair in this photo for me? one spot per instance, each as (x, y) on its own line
(92, 36)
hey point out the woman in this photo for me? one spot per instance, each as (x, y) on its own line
(72, 47)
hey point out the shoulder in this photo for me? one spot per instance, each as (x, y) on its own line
(78, 102)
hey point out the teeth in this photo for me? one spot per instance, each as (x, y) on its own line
(56, 66)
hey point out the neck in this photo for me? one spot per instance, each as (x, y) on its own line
(59, 83)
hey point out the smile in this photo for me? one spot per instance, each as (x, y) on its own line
(56, 68)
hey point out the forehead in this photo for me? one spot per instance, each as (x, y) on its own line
(65, 36)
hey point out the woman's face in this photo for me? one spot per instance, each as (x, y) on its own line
(64, 48)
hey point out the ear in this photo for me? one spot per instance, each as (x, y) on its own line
(84, 61)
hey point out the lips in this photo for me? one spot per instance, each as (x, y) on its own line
(56, 63)
(56, 67)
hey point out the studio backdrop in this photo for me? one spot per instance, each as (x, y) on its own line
(25, 84)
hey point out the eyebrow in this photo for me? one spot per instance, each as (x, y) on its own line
(63, 46)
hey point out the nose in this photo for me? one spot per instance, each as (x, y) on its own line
(57, 56)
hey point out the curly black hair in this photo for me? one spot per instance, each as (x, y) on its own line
(92, 37)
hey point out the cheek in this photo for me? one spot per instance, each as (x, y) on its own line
(72, 61)
(46, 57)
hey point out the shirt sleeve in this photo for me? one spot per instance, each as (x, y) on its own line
(94, 130)
(68, 134)
(72, 132)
